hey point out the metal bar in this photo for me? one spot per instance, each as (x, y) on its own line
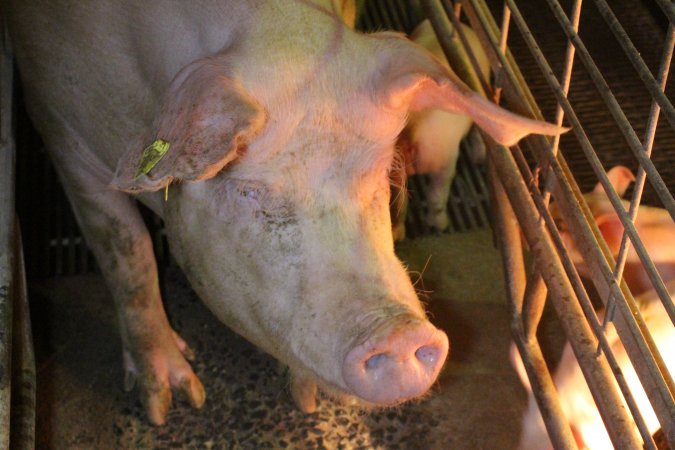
(477, 81)
(640, 177)
(453, 49)
(617, 113)
(636, 60)
(595, 370)
(630, 327)
(7, 259)
(584, 300)
(24, 385)
(509, 235)
(668, 8)
(593, 159)
(466, 171)
(569, 196)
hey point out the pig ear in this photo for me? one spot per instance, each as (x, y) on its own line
(416, 80)
(206, 118)
(620, 178)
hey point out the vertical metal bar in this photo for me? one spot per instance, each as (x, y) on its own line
(641, 176)
(617, 113)
(596, 371)
(23, 404)
(630, 327)
(453, 49)
(7, 258)
(584, 301)
(466, 170)
(508, 233)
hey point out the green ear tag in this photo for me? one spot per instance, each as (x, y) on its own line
(151, 156)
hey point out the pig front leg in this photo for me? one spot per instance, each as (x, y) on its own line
(154, 355)
(438, 192)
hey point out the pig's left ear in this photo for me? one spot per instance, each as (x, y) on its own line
(205, 120)
(413, 78)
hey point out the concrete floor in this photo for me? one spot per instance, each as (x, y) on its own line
(475, 405)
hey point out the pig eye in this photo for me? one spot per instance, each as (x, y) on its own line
(250, 191)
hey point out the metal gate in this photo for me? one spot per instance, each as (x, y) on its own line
(526, 177)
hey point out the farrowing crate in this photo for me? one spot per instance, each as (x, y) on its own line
(526, 177)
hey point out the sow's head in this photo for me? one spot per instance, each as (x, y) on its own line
(278, 212)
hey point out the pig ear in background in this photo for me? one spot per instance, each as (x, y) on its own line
(414, 78)
(205, 119)
(620, 178)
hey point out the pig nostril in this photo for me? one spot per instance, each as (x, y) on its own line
(427, 354)
(375, 361)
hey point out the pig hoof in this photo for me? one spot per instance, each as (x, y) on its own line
(158, 372)
(183, 347)
(156, 397)
(303, 391)
(193, 389)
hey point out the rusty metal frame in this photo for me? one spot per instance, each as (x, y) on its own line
(519, 204)
(17, 361)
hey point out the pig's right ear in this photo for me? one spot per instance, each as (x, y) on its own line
(205, 120)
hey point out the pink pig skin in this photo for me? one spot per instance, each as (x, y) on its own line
(281, 122)
(654, 225)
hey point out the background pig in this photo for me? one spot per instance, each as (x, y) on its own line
(271, 126)
(429, 144)
(575, 397)
(654, 225)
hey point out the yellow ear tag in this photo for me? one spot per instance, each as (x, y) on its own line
(166, 192)
(151, 156)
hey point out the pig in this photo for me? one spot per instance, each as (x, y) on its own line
(429, 144)
(262, 132)
(575, 397)
(654, 225)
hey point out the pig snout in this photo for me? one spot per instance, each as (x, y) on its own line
(398, 364)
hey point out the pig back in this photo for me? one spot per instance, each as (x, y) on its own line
(100, 67)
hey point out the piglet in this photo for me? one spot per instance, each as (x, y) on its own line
(429, 144)
(654, 225)
(575, 397)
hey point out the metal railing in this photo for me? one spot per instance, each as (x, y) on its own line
(518, 199)
(17, 362)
